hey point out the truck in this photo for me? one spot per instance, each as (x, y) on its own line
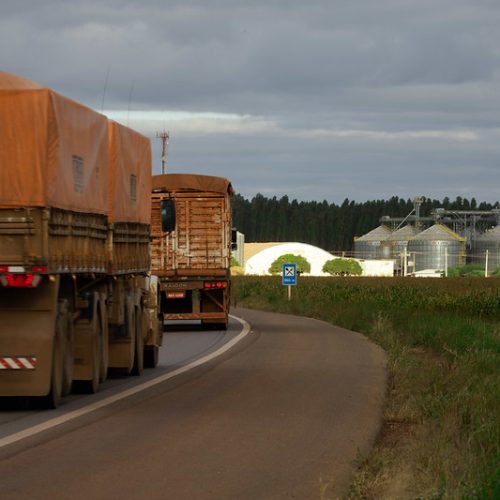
(77, 296)
(191, 247)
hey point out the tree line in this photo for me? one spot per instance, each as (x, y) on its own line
(327, 225)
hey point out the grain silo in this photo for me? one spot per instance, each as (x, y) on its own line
(397, 241)
(438, 248)
(489, 241)
(370, 245)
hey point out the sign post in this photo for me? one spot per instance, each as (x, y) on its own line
(289, 277)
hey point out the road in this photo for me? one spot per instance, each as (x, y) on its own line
(283, 414)
(184, 343)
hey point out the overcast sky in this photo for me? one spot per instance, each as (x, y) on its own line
(317, 99)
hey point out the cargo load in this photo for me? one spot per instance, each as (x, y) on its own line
(53, 180)
(201, 241)
(129, 198)
(53, 151)
(130, 175)
(192, 256)
(76, 293)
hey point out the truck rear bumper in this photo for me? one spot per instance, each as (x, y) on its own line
(202, 316)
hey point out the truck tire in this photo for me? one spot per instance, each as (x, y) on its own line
(67, 336)
(91, 386)
(53, 398)
(104, 341)
(151, 356)
(220, 326)
(91, 332)
(214, 326)
(130, 326)
(138, 366)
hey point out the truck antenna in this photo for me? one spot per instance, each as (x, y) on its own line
(164, 136)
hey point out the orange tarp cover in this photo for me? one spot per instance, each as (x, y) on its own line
(53, 151)
(130, 175)
(192, 182)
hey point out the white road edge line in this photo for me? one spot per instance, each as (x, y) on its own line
(49, 424)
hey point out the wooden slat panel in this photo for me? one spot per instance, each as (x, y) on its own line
(200, 240)
(63, 240)
(130, 249)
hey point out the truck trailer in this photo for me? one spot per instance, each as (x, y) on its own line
(191, 247)
(77, 296)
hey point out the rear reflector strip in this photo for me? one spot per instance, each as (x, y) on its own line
(21, 269)
(12, 269)
(39, 269)
(17, 363)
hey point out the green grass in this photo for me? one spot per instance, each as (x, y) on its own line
(441, 433)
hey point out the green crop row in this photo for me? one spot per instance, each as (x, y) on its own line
(442, 337)
(473, 297)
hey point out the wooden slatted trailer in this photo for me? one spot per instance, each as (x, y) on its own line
(191, 246)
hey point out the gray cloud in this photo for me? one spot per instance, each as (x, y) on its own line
(337, 99)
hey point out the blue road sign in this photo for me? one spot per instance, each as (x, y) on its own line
(289, 274)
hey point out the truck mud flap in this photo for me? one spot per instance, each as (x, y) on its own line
(26, 352)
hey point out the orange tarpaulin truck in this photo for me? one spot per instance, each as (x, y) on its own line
(76, 293)
(191, 246)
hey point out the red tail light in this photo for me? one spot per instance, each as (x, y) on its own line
(20, 280)
(215, 284)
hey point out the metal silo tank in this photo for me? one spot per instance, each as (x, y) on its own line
(370, 246)
(437, 248)
(488, 241)
(398, 241)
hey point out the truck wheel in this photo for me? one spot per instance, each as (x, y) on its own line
(151, 355)
(138, 367)
(91, 386)
(66, 332)
(104, 341)
(131, 328)
(53, 398)
(214, 326)
(221, 326)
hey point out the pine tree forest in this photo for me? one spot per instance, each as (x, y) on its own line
(327, 225)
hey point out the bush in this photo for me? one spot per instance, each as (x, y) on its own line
(467, 270)
(343, 267)
(303, 265)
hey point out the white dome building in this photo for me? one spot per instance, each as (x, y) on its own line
(260, 263)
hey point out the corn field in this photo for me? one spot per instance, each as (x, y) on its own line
(442, 337)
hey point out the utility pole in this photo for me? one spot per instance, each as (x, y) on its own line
(417, 202)
(446, 262)
(164, 136)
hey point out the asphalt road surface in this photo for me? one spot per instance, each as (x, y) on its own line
(283, 414)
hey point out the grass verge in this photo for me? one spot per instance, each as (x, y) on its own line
(441, 432)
